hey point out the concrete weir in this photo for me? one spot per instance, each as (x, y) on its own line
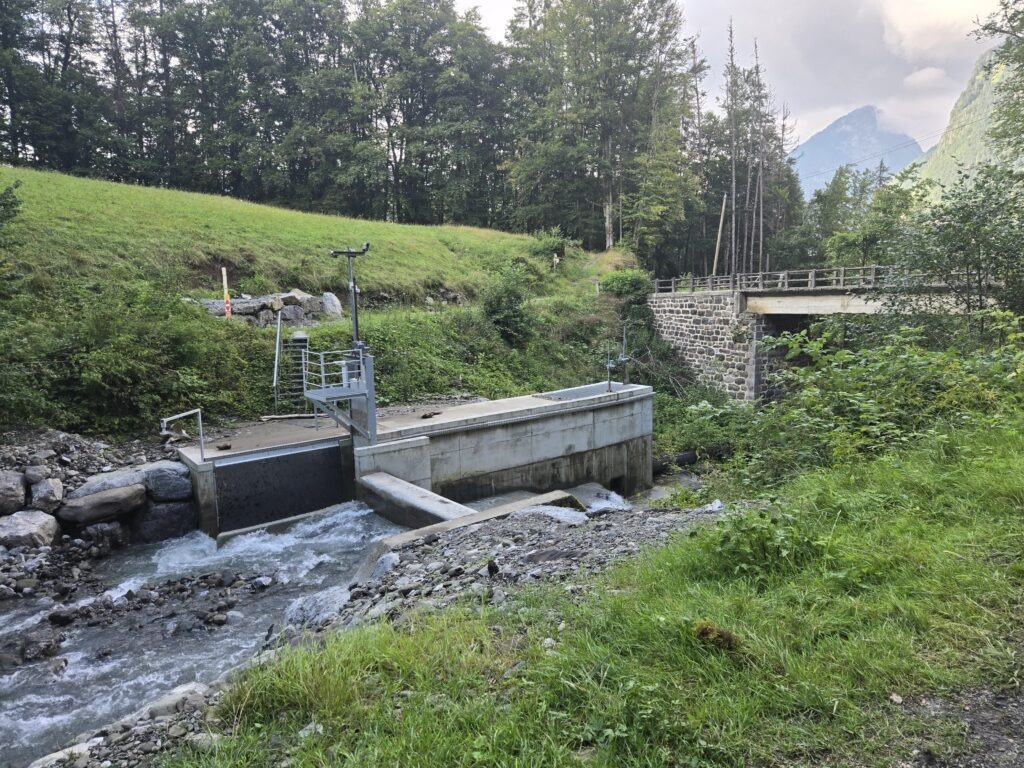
(426, 464)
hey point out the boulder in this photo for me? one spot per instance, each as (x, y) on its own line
(35, 474)
(47, 494)
(164, 477)
(293, 315)
(12, 491)
(108, 481)
(162, 521)
(332, 305)
(29, 528)
(167, 480)
(316, 610)
(103, 505)
(185, 698)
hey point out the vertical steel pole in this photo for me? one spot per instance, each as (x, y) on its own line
(352, 298)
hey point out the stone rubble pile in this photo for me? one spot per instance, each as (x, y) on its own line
(53, 482)
(296, 308)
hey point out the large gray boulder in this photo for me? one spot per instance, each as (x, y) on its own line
(318, 609)
(332, 305)
(163, 477)
(162, 521)
(293, 314)
(29, 528)
(12, 491)
(167, 480)
(103, 505)
(47, 494)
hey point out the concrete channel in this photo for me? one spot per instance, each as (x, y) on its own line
(425, 465)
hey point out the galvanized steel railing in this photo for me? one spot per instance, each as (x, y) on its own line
(825, 279)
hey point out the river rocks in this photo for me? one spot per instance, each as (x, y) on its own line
(184, 698)
(167, 481)
(37, 473)
(162, 521)
(103, 505)
(318, 609)
(28, 528)
(332, 306)
(563, 515)
(12, 491)
(47, 494)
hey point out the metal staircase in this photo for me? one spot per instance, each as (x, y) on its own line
(289, 393)
(339, 384)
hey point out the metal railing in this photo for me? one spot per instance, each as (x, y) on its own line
(337, 369)
(867, 278)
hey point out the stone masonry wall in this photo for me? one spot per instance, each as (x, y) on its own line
(715, 338)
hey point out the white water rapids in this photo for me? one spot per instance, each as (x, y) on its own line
(113, 670)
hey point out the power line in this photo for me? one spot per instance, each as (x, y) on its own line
(904, 145)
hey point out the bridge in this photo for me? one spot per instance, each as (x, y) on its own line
(716, 322)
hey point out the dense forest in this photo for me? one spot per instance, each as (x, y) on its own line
(591, 118)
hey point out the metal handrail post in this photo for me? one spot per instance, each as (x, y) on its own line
(198, 413)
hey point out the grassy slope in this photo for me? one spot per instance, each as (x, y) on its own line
(916, 588)
(70, 225)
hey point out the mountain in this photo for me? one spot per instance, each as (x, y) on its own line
(855, 139)
(966, 137)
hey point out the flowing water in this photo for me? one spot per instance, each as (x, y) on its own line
(113, 670)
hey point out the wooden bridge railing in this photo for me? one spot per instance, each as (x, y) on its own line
(824, 279)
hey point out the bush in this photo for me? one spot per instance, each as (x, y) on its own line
(504, 305)
(760, 544)
(113, 360)
(630, 285)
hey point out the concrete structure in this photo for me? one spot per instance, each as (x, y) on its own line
(539, 443)
(717, 323)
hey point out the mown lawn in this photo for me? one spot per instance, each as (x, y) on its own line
(774, 639)
(71, 227)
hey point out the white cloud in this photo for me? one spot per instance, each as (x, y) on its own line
(917, 29)
(928, 79)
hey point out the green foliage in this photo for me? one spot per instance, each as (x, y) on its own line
(839, 403)
(969, 240)
(705, 422)
(421, 353)
(675, 658)
(1007, 26)
(630, 285)
(114, 359)
(504, 305)
(759, 544)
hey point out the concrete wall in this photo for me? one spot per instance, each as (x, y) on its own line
(553, 445)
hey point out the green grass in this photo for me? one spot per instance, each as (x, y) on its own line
(903, 577)
(71, 226)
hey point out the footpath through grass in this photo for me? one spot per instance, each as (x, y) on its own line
(772, 638)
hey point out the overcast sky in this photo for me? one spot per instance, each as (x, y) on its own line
(910, 58)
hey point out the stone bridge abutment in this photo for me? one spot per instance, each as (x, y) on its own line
(716, 336)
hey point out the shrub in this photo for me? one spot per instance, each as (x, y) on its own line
(504, 305)
(630, 285)
(759, 544)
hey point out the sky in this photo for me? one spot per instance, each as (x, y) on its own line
(824, 58)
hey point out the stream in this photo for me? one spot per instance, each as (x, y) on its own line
(106, 671)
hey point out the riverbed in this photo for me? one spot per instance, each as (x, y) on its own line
(171, 613)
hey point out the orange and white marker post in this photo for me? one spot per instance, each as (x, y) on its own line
(227, 296)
